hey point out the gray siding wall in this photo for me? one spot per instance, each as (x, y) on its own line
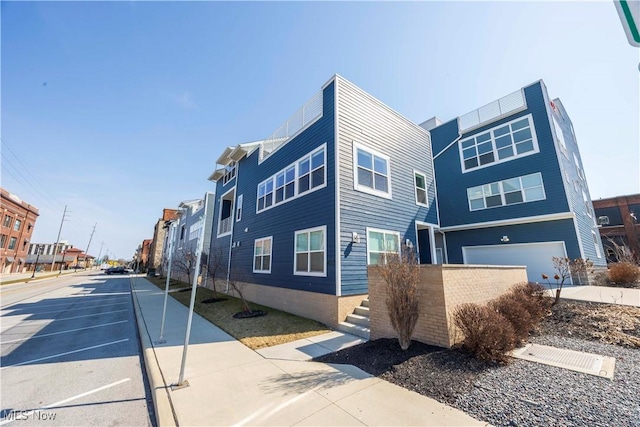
(364, 120)
(585, 217)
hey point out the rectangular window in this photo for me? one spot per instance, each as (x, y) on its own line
(596, 245)
(560, 136)
(380, 244)
(3, 241)
(7, 221)
(12, 243)
(528, 188)
(505, 142)
(310, 253)
(587, 205)
(262, 255)
(578, 168)
(303, 176)
(230, 173)
(371, 171)
(420, 180)
(17, 224)
(182, 231)
(239, 208)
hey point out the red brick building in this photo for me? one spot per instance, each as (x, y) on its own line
(16, 227)
(619, 220)
(144, 253)
(157, 243)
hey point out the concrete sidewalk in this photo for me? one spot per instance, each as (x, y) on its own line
(602, 294)
(230, 384)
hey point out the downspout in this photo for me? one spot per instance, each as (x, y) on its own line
(233, 224)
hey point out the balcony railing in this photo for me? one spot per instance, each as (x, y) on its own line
(225, 226)
(302, 118)
(491, 111)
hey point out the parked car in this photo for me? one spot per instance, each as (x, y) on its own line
(116, 270)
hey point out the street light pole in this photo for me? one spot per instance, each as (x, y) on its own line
(161, 340)
(38, 252)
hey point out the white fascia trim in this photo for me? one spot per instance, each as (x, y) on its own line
(511, 221)
(336, 157)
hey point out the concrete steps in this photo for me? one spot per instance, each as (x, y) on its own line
(357, 323)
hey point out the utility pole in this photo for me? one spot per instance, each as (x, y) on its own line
(55, 248)
(86, 253)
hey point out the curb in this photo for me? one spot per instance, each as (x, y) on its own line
(163, 406)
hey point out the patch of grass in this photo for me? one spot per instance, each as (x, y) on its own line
(277, 327)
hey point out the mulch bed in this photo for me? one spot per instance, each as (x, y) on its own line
(444, 374)
(249, 314)
(212, 300)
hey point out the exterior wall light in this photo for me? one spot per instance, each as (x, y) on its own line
(505, 239)
(355, 237)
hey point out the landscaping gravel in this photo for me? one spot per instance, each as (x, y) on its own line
(521, 393)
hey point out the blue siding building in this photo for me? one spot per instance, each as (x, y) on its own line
(512, 189)
(298, 216)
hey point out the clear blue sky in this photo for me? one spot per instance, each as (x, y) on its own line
(120, 109)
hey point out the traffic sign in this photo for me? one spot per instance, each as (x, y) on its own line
(629, 12)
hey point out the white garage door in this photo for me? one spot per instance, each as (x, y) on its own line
(536, 256)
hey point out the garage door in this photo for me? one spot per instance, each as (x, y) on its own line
(536, 256)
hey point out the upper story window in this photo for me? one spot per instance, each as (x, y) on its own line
(503, 143)
(587, 204)
(262, 255)
(528, 188)
(230, 173)
(595, 244)
(17, 224)
(12, 243)
(310, 252)
(239, 208)
(7, 221)
(578, 167)
(3, 240)
(420, 180)
(304, 176)
(381, 244)
(371, 171)
(560, 136)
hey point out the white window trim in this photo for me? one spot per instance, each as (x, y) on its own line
(253, 260)
(364, 188)
(562, 144)
(595, 244)
(233, 210)
(379, 230)
(323, 228)
(415, 188)
(578, 167)
(534, 140)
(295, 181)
(502, 193)
(238, 211)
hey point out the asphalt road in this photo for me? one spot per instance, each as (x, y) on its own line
(70, 354)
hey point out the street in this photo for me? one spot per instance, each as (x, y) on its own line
(70, 353)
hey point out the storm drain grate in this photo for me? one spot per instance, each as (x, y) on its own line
(588, 363)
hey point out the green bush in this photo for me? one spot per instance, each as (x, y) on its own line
(488, 335)
(624, 273)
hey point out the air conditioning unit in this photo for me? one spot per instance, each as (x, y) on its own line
(603, 220)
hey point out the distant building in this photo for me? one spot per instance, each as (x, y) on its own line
(619, 220)
(144, 253)
(18, 222)
(157, 244)
(48, 248)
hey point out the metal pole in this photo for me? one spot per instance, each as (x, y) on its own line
(55, 248)
(38, 252)
(181, 381)
(89, 244)
(161, 340)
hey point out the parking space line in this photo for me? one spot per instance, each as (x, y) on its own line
(64, 354)
(70, 399)
(63, 332)
(67, 309)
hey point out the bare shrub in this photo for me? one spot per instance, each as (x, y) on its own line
(533, 297)
(401, 275)
(488, 335)
(513, 308)
(621, 252)
(624, 273)
(565, 269)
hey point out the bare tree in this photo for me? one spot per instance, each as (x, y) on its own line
(401, 274)
(565, 269)
(215, 266)
(184, 262)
